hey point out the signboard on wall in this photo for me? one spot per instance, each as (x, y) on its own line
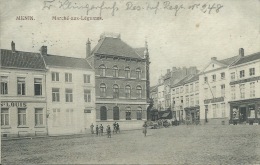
(87, 111)
(13, 104)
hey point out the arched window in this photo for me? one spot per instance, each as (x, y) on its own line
(139, 91)
(102, 70)
(138, 73)
(127, 91)
(128, 113)
(139, 113)
(103, 113)
(102, 90)
(116, 113)
(115, 69)
(127, 72)
(115, 91)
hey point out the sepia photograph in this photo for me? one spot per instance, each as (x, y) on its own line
(130, 82)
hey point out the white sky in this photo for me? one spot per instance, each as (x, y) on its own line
(189, 39)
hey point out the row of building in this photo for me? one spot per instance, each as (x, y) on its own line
(44, 94)
(224, 91)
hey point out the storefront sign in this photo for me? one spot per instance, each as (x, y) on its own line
(214, 100)
(13, 104)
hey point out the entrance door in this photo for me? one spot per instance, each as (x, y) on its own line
(192, 117)
(242, 111)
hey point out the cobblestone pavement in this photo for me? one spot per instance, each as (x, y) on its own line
(238, 144)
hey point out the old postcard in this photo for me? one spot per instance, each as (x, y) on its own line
(130, 81)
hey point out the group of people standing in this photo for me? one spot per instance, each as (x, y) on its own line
(100, 129)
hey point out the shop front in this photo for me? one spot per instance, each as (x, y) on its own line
(192, 115)
(245, 112)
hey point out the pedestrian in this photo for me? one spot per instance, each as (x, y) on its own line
(108, 131)
(145, 128)
(101, 130)
(114, 129)
(92, 128)
(117, 128)
(97, 130)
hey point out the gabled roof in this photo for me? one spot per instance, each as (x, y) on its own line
(181, 82)
(248, 58)
(19, 59)
(140, 51)
(116, 47)
(192, 79)
(228, 61)
(62, 61)
(154, 88)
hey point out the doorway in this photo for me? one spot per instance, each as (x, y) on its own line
(242, 113)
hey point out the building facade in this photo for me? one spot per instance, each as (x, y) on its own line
(70, 93)
(245, 90)
(23, 96)
(121, 82)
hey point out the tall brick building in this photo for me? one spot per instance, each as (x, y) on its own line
(122, 81)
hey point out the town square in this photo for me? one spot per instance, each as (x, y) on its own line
(130, 82)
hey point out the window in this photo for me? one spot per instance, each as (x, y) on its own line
(115, 91)
(252, 89)
(181, 90)
(4, 116)
(127, 91)
(242, 91)
(186, 88)
(197, 100)
(206, 93)
(191, 87)
(127, 72)
(115, 69)
(223, 110)
(196, 86)
(251, 111)
(205, 79)
(222, 75)
(173, 91)
(56, 117)
(55, 94)
(103, 113)
(187, 101)
(86, 78)
(37, 86)
(191, 100)
(242, 73)
(68, 77)
(55, 76)
(233, 92)
(69, 117)
(214, 111)
(214, 77)
(138, 73)
(103, 90)
(69, 95)
(223, 90)
(116, 113)
(38, 116)
(214, 91)
(4, 85)
(232, 76)
(139, 113)
(177, 90)
(252, 71)
(139, 91)
(21, 86)
(87, 95)
(128, 113)
(181, 99)
(21, 116)
(102, 70)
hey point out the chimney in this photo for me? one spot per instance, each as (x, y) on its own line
(13, 46)
(43, 50)
(241, 52)
(213, 58)
(88, 49)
